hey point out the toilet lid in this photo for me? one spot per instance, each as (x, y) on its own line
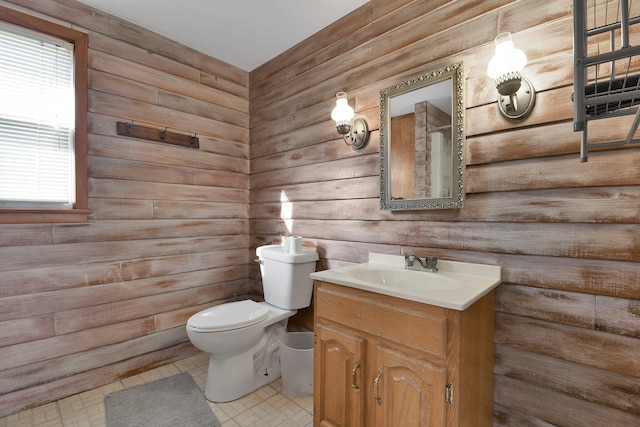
(231, 315)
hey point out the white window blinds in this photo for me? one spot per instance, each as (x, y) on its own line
(37, 120)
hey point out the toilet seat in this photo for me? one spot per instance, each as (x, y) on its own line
(228, 316)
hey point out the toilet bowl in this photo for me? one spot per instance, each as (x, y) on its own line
(243, 336)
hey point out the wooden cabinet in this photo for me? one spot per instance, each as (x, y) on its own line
(340, 367)
(409, 391)
(384, 361)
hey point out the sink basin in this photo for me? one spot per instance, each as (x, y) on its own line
(455, 285)
(404, 279)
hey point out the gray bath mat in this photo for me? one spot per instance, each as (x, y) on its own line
(173, 401)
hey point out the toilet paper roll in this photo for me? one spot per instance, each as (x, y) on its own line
(286, 244)
(296, 245)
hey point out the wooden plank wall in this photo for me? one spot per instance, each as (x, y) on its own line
(565, 233)
(84, 305)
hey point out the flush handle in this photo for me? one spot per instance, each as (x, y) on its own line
(354, 375)
(259, 261)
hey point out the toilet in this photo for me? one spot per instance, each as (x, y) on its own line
(243, 336)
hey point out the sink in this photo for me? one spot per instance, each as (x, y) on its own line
(404, 279)
(456, 285)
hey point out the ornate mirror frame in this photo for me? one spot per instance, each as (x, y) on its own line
(453, 196)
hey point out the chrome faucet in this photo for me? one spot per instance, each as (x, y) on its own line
(429, 263)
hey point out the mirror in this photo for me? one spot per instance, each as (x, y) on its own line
(422, 142)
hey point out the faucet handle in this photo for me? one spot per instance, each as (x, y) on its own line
(409, 260)
(431, 262)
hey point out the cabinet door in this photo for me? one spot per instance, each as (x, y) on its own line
(409, 392)
(338, 377)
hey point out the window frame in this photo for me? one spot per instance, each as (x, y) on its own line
(80, 210)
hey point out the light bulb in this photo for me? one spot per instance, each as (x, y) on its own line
(506, 64)
(342, 113)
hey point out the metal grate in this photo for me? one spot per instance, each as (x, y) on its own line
(606, 71)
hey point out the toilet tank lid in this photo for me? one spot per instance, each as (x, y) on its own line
(276, 252)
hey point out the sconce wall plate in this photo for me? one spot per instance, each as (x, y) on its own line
(519, 104)
(359, 133)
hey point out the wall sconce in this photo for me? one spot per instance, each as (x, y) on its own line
(516, 93)
(356, 129)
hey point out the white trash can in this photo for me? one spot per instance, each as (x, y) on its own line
(296, 363)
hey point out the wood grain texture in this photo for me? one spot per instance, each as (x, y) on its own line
(594, 385)
(271, 164)
(169, 231)
(564, 233)
(556, 409)
(429, 346)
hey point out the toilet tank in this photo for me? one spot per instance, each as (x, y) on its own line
(285, 276)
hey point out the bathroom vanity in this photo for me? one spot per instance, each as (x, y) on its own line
(393, 353)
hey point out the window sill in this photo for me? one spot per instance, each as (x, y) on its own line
(18, 216)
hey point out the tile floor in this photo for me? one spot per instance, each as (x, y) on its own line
(265, 407)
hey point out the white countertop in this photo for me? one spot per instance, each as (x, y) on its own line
(456, 285)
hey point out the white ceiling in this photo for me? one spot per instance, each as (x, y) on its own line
(244, 33)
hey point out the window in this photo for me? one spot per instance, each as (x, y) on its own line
(43, 106)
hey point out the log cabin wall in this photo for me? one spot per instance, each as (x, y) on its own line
(565, 233)
(86, 304)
